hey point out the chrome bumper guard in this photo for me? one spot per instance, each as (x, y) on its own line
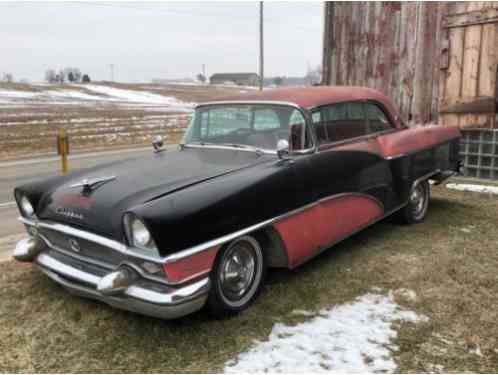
(134, 294)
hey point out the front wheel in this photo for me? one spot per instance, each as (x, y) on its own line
(237, 276)
(416, 209)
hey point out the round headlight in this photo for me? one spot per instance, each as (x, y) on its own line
(27, 207)
(140, 234)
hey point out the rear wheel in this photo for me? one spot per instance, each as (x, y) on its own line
(416, 209)
(237, 276)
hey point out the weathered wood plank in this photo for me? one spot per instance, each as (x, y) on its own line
(470, 69)
(483, 104)
(437, 74)
(489, 60)
(398, 48)
(475, 17)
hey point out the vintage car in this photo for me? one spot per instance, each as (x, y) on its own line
(262, 180)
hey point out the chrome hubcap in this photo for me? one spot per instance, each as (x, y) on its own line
(417, 199)
(238, 269)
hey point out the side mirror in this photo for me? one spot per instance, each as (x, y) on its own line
(282, 148)
(157, 143)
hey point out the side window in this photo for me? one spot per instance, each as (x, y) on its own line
(339, 122)
(376, 118)
(266, 119)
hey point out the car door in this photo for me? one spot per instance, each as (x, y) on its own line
(351, 181)
(343, 187)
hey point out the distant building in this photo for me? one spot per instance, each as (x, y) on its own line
(242, 79)
(287, 81)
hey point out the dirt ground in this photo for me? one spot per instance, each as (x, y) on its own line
(450, 261)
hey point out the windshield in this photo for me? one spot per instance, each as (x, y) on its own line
(259, 126)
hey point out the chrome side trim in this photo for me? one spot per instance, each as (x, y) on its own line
(194, 249)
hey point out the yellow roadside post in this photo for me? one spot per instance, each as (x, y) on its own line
(63, 149)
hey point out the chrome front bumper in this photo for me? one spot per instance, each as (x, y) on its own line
(143, 296)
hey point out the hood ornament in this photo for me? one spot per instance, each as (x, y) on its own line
(90, 184)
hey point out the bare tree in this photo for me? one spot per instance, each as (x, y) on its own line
(50, 75)
(61, 77)
(77, 75)
(8, 77)
(86, 78)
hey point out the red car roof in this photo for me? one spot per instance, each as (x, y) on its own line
(309, 97)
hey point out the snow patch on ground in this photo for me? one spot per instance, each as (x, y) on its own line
(303, 312)
(354, 337)
(95, 94)
(476, 350)
(474, 188)
(11, 94)
(468, 229)
(134, 96)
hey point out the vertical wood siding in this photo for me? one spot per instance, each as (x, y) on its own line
(404, 50)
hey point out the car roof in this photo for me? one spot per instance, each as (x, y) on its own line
(310, 97)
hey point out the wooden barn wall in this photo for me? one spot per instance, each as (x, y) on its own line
(407, 50)
(469, 70)
(391, 46)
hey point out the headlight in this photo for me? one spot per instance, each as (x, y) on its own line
(26, 207)
(138, 234)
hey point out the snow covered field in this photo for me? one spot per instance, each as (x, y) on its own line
(354, 337)
(92, 94)
(96, 115)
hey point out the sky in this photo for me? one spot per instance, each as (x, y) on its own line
(148, 40)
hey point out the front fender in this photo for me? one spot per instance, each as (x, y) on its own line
(221, 206)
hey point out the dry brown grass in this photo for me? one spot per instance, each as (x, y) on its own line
(450, 261)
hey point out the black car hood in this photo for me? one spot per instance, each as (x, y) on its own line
(137, 181)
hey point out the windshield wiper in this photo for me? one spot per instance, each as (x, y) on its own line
(247, 147)
(234, 145)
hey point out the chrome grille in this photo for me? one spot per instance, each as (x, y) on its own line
(79, 247)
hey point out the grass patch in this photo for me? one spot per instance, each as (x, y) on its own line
(450, 261)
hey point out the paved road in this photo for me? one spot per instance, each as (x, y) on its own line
(19, 172)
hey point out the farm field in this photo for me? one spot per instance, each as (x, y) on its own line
(418, 298)
(96, 115)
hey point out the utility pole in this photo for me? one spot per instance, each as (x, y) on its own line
(261, 47)
(111, 66)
